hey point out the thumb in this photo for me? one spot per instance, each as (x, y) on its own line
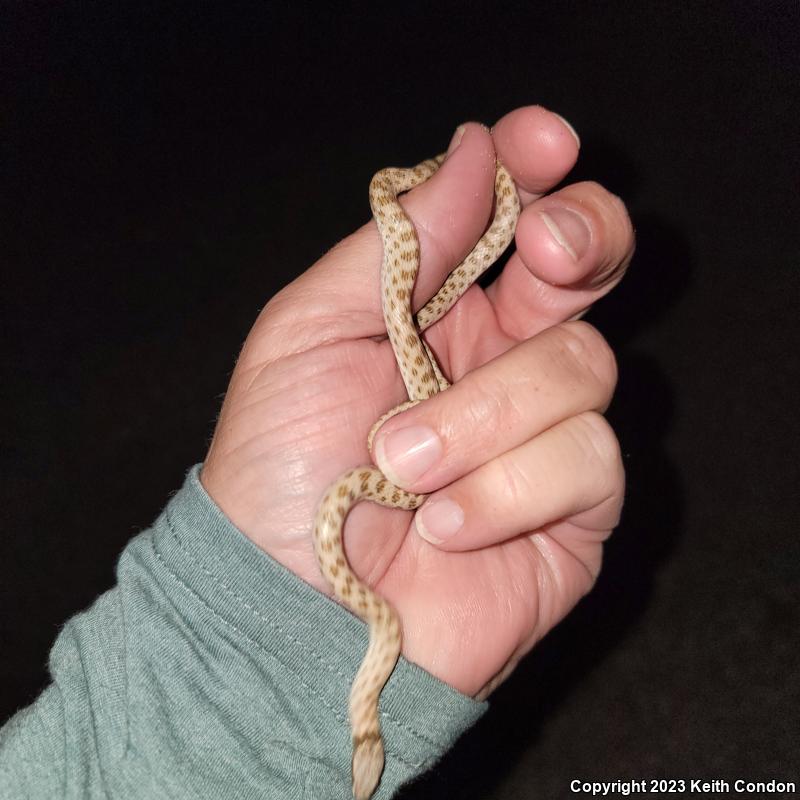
(339, 296)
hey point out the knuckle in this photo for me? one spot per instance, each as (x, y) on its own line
(509, 481)
(486, 399)
(600, 444)
(590, 353)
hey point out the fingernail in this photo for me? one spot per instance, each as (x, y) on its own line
(570, 129)
(439, 520)
(406, 454)
(570, 230)
(456, 140)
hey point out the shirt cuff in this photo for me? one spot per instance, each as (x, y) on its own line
(305, 642)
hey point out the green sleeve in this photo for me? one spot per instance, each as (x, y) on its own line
(211, 671)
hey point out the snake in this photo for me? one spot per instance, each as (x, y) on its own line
(423, 378)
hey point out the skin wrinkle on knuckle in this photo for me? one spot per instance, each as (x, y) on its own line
(609, 510)
(550, 574)
(510, 486)
(591, 354)
(573, 574)
(486, 405)
(599, 443)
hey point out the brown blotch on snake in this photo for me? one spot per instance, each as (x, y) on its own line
(423, 379)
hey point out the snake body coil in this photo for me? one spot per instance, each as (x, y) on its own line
(423, 379)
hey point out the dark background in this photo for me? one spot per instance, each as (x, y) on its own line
(162, 164)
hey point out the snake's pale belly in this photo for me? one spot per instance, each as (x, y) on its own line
(423, 378)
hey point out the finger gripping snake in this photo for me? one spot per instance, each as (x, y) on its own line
(423, 379)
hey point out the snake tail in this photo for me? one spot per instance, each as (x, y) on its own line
(385, 635)
(380, 660)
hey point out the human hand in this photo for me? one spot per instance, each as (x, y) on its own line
(518, 442)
